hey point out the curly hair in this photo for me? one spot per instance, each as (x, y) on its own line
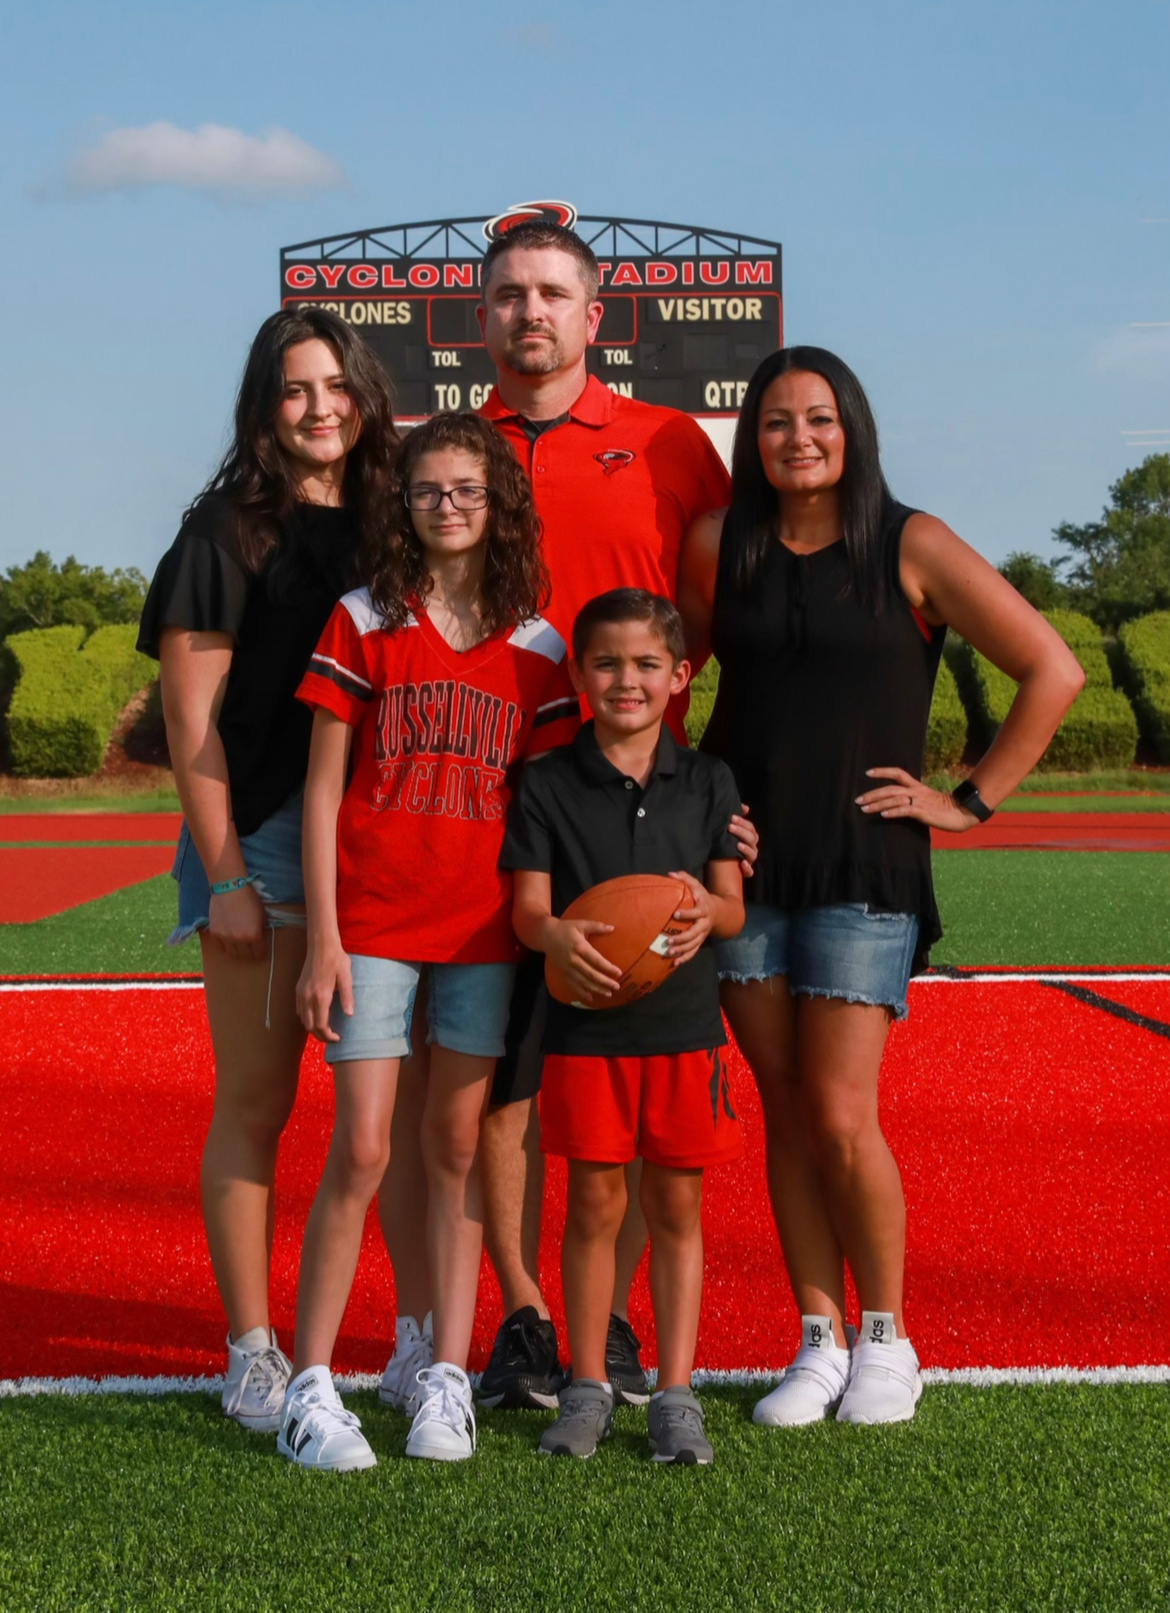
(255, 473)
(515, 583)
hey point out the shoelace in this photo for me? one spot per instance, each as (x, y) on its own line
(415, 1359)
(315, 1404)
(518, 1346)
(581, 1409)
(441, 1403)
(269, 1367)
(685, 1418)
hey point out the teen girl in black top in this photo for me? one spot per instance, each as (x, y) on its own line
(827, 604)
(235, 610)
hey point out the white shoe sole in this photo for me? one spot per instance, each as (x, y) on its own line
(439, 1453)
(342, 1464)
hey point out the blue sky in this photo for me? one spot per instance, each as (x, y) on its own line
(964, 193)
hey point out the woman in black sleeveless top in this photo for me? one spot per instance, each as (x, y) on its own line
(234, 612)
(827, 605)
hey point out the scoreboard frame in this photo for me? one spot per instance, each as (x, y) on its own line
(689, 310)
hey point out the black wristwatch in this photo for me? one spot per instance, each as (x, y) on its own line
(968, 797)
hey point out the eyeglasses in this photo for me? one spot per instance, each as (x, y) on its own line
(425, 496)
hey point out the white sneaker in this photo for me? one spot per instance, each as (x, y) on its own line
(257, 1377)
(316, 1430)
(444, 1425)
(811, 1388)
(884, 1382)
(413, 1351)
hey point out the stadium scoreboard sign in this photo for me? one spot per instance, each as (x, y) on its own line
(689, 312)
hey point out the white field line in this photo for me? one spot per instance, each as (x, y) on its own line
(1045, 977)
(967, 1377)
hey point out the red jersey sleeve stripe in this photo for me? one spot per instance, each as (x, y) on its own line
(326, 667)
(556, 711)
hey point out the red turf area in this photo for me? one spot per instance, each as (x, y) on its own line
(38, 881)
(1033, 1133)
(1072, 831)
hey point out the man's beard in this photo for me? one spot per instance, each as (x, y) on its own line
(542, 360)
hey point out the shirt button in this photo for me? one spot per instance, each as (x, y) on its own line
(641, 812)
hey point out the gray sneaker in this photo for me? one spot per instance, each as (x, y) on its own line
(583, 1421)
(675, 1425)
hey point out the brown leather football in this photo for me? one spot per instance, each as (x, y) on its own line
(640, 908)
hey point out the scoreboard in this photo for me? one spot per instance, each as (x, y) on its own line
(688, 312)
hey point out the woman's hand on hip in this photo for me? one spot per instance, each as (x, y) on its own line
(238, 924)
(904, 796)
(327, 973)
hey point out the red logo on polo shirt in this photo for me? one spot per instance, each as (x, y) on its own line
(615, 459)
(562, 213)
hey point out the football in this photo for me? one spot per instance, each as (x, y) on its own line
(640, 907)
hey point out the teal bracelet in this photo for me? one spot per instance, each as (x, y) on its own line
(223, 886)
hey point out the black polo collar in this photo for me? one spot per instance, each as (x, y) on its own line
(598, 769)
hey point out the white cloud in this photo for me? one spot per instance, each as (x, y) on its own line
(213, 158)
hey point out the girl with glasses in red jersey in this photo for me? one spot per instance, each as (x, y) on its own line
(428, 686)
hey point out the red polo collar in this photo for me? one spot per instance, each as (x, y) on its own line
(594, 406)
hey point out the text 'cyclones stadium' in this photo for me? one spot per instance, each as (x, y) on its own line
(689, 311)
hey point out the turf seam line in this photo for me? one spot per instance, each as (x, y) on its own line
(969, 1377)
(1156, 1027)
(1056, 977)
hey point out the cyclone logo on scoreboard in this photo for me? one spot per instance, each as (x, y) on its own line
(562, 213)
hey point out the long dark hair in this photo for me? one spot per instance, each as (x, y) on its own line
(255, 473)
(750, 526)
(515, 582)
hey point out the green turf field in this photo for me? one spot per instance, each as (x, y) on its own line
(1006, 907)
(992, 1499)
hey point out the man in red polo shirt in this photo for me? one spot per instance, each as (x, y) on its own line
(616, 482)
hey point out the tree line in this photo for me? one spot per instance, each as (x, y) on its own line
(1112, 570)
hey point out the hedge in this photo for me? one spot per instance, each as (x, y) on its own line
(69, 692)
(1145, 658)
(702, 700)
(1100, 730)
(946, 735)
(946, 729)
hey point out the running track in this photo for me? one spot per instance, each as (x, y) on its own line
(1031, 1117)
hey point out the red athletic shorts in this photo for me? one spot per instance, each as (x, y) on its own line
(673, 1109)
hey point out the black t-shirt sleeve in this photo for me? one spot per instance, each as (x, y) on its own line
(199, 584)
(528, 838)
(725, 803)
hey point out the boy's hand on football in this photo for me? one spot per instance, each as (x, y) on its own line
(697, 917)
(582, 965)
(327, 973)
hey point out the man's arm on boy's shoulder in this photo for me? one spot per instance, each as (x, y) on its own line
(716, 908)
(565, 941)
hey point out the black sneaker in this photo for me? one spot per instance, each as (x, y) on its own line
(622, 1364)
(524, 1370)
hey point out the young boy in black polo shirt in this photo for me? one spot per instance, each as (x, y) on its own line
(648, 1079)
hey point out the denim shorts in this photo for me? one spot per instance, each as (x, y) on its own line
(849, 951)
(272, 855)
(467, 1009)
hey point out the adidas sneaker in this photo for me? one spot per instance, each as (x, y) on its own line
(884, 1382)
(316, 1431)
(811, 1388)
(444, 1424)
